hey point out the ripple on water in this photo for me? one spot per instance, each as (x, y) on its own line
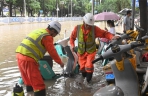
(9, 68)
(2, 91)
(11, 71)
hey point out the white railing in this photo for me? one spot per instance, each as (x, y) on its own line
(11, 20)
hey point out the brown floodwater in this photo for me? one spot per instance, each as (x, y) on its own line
(12, 35)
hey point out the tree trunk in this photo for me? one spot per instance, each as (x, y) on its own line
(31, 11)
(0, 11)
(147, 18)
(15, 11)
(143, 15)
(10, 9)
(21, 11)
(39, 14)
(2, 7)
(28, 12)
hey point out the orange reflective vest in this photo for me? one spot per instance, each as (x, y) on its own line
(86, 46)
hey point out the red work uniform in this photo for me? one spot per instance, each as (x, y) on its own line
(29, 68)
(85, 59)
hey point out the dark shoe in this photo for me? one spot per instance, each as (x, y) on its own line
(40, 93)
(84, 74)
(29, 88)
(88, 77)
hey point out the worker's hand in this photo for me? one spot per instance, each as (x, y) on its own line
(73, 49)
(124, 31)
(62, 65)
(115, 37)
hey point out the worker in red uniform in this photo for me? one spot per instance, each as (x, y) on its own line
(86, 34)
(31, 50)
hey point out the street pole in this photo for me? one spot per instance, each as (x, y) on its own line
(1, 8)
(133, 13)
(25, 7)
(143, 16)
(44, 8)
(57, 8)
(93, 7)
(71, 8)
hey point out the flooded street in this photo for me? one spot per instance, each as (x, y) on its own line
(12, 35)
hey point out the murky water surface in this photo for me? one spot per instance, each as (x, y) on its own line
(12, 35)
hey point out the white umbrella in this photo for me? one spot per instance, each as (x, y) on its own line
(123, 11)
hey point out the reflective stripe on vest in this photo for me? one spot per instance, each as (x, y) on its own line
(36, 42)
(31, 46)
(88, 46)
(31, 50)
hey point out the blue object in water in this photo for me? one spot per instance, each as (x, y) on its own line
(110, 76)
(21, 81)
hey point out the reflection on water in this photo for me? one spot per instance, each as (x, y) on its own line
(8, 76)
(12, 35)
(62, 86)
(68, 86)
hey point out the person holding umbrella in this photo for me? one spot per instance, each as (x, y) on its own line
(111, 24)
(86, 34)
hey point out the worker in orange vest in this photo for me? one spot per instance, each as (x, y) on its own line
(31, 50)
(86, 34)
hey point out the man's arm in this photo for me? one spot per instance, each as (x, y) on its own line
(73, 37)
(102, 33)
(47, 42)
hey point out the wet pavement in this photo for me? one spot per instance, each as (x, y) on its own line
(12, 35)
